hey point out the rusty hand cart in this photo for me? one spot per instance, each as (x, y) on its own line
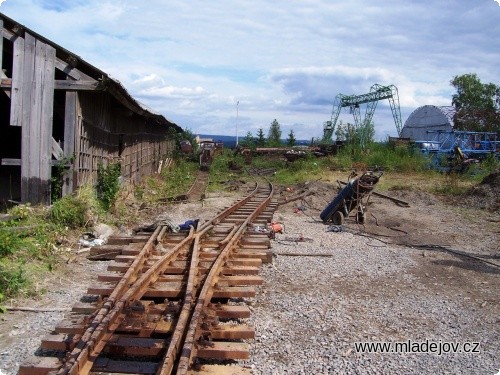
(353, 196)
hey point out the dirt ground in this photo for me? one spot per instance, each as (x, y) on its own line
(428, 225)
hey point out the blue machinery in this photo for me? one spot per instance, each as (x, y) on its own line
(469, 145)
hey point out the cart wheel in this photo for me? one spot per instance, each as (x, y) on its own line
(338, 218)
(360, 217)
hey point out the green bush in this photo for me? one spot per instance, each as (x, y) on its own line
(108, 184)
(12, 280)
(9, 241)
(179, 178)
(69, 211)
(384, 156)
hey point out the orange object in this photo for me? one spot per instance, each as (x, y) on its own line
(277, 227)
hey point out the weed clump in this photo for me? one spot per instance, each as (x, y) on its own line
(108, 183)
(69, 211)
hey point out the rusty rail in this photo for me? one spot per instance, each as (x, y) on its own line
(207, 252)
(189, 349)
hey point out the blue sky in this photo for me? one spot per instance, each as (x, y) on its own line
(193, 61)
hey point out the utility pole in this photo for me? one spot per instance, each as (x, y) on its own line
(237, 104)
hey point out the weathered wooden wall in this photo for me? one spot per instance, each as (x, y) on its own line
(100, 122)
(108, 135)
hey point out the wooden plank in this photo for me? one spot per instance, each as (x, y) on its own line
(70, 121)
(255, 241)
(240, 270)
(77, 85)
(16, 93)
(71, 326)
(44, 64)
(107, 365)
(29, 136)
(2, 74)
(9, 161)
(220, 370)
(39, 366)
(234, 292)
(231, 311)
(104, 249)
(120, 240)
(18, 162)
(60, 342)
(265, 255)
(240, 280)
(84, 307)
(115, 277)
(135, 346)
(71, 71)
(230, 332)
(57, 151)
(37, 116)
(244, 261)
(224, 350)
(173, 289)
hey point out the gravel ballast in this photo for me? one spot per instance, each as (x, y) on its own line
(310, 311)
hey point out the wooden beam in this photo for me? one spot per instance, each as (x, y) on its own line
(9, 161)
(37, 118)
(16, 93)
(57, 151)
(77, 85)
(25, 78)
(44, 64)
(71, 71)
(6, 83)
(70, 121)
(7, 34)
(17, 162)
(2, 74)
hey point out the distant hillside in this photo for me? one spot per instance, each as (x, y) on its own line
(230, 141)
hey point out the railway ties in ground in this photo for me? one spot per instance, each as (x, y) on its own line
(178, 311)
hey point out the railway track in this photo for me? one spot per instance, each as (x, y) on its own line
(169, 302)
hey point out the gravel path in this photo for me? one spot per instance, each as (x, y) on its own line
(311, 310)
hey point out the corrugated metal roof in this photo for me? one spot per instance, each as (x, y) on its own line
(428, 118)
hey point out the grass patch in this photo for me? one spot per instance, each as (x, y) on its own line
(70, 211)
(171, 183)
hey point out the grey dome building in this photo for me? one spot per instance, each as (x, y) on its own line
(428, 118)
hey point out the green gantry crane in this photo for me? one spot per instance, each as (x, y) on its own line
(377, 92)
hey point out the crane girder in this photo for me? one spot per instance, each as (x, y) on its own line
(377, 93)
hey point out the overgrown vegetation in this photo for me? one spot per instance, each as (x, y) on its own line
(108, 183)
(30, 243)
(171, 183)
(27, 244)
(57, 178)
(69, 211)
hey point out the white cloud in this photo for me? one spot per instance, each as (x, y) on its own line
(283, 59)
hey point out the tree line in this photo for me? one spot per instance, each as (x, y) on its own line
(477, 108)
(273, 137)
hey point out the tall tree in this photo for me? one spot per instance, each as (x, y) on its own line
(362, 135)
(248, 141)
(291, 141)
(477, 104)
(274, 135)
(261, 138)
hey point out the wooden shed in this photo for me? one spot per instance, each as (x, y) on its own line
(57, 112)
